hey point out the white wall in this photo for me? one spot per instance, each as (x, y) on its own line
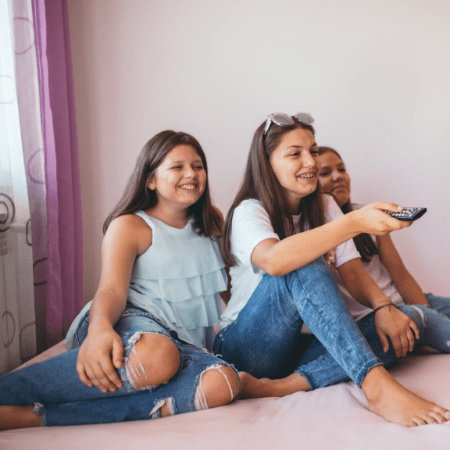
(374, 74)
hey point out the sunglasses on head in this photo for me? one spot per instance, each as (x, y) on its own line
(283, 120)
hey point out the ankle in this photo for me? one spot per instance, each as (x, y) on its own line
(374, 383)
(12, 417)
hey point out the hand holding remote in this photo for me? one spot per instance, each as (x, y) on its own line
(409, 214)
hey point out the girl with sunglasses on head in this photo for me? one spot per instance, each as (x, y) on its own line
(275, 234)
(139, 350)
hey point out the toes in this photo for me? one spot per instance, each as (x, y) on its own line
(437, 415)
(439, 418)
(441, 415)
(417, 421)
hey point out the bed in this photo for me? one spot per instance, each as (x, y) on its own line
(331, 418)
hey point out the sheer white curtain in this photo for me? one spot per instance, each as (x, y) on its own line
(17, 312)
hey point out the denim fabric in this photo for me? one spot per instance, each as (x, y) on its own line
(131, 325)
(266, 333)
(67, 401)
(320, 369)
(440, 304)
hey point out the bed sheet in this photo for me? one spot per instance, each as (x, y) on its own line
(331, 418)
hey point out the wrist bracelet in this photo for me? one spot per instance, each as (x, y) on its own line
(382, 306)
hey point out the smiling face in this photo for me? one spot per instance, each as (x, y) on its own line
(296, 164)
(180, 179)
(334, 178)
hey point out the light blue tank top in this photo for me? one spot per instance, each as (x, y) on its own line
(178, 280)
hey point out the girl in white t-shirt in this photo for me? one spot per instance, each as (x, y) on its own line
(280, 281)
(378, 253)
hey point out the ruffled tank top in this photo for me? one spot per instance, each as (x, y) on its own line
(179, 280)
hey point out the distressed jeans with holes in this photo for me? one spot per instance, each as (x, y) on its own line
(265, 337)
(54, 387)
(320, 369)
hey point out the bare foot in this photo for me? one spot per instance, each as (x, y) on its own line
(390, 400)
(264, 387)
(12, 417)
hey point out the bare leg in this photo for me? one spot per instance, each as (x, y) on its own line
(386, 397)
(390, 400)
(264, 387)
(12, 417)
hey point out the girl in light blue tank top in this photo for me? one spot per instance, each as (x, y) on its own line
(141, 348)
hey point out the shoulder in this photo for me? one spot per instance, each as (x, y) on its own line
(328, 199)
(250, 218)
(250, 212)
(332, 210)
(129, 222)
(250, 206)
(129, 230)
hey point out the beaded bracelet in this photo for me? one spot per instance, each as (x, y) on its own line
(382, 306)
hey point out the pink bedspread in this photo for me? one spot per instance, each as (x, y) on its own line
(332, 418)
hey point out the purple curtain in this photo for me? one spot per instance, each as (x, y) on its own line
(40, 204)
(64, 299)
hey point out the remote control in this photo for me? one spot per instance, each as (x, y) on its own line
(409, 214)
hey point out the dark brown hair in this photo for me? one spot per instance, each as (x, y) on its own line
(137, 195)
(260, 183)
(364, 242)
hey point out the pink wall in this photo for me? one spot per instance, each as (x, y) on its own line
(374, 75)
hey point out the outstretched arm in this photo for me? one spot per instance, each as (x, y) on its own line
(278, 258)
(405, 283)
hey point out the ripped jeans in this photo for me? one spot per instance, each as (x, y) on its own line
(58, 394)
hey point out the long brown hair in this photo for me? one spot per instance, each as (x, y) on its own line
(260, 183)
(138, 196)
(364, 242)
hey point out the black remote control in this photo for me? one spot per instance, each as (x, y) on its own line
(409, 214)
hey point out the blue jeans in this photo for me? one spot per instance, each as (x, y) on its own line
(440, 304)
(265, 337)
(54, 387)
(320, 369)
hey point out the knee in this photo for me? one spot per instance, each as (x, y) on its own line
(417, 313)
(217, 386)
(153, 360)
(317, 269)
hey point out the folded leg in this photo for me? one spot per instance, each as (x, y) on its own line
(321, 370)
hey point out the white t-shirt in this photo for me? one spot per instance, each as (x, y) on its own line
(250, 226)
(381, 276)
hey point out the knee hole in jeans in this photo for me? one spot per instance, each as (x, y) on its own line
(164, 408)
(217, 386)
(153, 360)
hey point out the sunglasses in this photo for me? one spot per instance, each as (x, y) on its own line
(283, 120)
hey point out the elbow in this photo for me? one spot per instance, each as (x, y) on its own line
(274, 269)
(270, 262)
(274, 273)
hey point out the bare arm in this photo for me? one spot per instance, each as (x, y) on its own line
(405, 283)
(389, 321)
(278, 258)
(361, 285)
(102, 351)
